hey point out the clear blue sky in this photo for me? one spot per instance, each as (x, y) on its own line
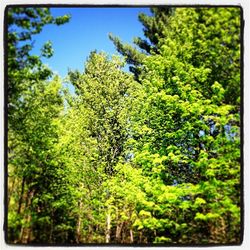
(86, 31)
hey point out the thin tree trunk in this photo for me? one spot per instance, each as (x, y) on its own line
(118, 232)
(108, 221)
(140, 237)
(51, 227)
(21, 234)
(90, 234)
(79, 222)
(131, 236)
(26, 230)
(11, 186)
(20, 202)
(21, 197)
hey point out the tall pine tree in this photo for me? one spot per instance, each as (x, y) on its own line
(153, 27)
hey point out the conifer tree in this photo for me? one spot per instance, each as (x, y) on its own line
(153, 27)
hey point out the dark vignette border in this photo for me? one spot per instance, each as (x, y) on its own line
(5, 226)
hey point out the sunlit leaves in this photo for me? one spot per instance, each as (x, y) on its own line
(187, 130)
(127, 162)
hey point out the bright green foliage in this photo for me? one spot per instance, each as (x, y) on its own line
(105, 92)
(123, 161)
(34, 106)
(209, 39)
(96, 128)
(189, 138)
(32, 162)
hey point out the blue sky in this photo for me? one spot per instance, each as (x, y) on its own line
(87, 30)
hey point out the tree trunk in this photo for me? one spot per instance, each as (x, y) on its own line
(118, 232)
(51, 227)
(26, 229)
(108, 221)
(79, 222)
(21, 197)
(131, 236)
(140, 237)
(11, 186)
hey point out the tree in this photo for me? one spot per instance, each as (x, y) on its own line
(213, 46)
(187, 141)
(217, 46)
(153, 30)
(101, 129)
(33, 105)
(105, 93)
(22, 24)
(32, 163)
(153, 160)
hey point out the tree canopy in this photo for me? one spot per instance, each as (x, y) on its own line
(148, 157)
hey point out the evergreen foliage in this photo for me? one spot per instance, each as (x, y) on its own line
(153, 31)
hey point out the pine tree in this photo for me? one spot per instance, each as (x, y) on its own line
(153, 27)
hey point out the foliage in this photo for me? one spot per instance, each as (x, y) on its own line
(153, 27)
(187, 137)
(151, 159)
(34, 106)
(32, 163)
(22, 24)
(104, 97)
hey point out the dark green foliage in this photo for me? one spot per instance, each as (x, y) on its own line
(153, 30)
(23, 23)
